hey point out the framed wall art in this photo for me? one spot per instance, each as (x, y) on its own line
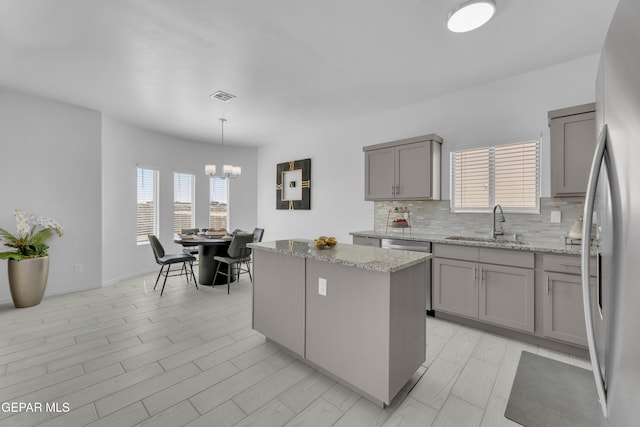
(293, 185)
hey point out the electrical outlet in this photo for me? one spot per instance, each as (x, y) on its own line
(78, 268)
(556, 217)
(322, 286)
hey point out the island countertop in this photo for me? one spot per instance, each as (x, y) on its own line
(365, 257)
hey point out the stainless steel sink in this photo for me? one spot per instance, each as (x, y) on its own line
(486, 240)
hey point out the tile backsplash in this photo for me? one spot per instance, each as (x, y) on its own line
(435, 217)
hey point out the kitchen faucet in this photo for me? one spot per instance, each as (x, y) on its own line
(495, 232)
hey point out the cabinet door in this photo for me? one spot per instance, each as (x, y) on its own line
(572, 146)
(563, 308)
(507, 296)
(379, 174)
(413, 171)
(455, 287)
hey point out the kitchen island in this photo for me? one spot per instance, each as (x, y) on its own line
(355, 313)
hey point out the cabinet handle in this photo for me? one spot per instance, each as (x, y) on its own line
(397, 189)
(547, 284)
(393, 190)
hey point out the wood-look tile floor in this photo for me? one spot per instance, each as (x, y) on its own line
(120, 356)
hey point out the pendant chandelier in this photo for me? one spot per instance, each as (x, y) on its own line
(228, 171)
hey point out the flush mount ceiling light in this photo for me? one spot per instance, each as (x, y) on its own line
(470, 15)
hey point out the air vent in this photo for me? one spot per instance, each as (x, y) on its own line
(222, 96)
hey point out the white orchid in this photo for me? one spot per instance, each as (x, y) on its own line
(30, 242)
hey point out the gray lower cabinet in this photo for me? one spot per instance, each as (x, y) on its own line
(368, 322)
(507, 296)
(279, 299)
(366, 241)
(499, 294)
(455, 287)
(364, 328)
(563, 317)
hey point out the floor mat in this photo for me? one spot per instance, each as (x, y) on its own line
(547, 392)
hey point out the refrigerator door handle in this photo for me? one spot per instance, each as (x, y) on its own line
(594, 175)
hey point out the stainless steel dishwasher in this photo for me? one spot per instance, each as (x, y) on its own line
(412, 245)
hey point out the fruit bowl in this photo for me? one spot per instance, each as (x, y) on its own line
(313, 246)
(324, 242)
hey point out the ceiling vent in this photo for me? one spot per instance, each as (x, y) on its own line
(222, 96)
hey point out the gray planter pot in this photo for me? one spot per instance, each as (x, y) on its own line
(27, 280)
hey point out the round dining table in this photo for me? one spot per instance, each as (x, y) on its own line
(208, 248)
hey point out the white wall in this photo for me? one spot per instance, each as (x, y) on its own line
(499, 111)
(123, 148)
(50, 166)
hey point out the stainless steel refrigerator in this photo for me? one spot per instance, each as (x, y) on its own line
(612, 218)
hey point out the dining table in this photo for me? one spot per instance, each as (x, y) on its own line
(208, 248)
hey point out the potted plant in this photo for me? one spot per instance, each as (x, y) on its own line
(29, 262)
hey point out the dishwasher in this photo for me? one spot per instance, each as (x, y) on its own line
(415, 246)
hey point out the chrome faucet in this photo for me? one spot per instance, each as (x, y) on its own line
(495, 232)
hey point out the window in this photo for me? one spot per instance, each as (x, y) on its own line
(218, 203)
(147, 210)
(183, 195)
(505, 174)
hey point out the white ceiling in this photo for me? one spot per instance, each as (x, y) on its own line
(293, 64)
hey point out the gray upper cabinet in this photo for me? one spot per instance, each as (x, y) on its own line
(573, 139)
(407, 169)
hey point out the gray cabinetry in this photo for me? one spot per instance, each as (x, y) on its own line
(455, 287)
(278, 305)
(407, 169)
(507, 296)
(573, 138)
(369, 327)
(470, 281)
(563, 317)
(366, 241)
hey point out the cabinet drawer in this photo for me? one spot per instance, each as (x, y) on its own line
(569, 264)
(466, 253)
(507, 257)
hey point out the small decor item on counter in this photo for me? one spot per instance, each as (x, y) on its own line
(29, 263)
(576, 229)
(399, 217)
(324, 242)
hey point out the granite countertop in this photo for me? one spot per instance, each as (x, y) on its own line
(528, 246)
(365, 257)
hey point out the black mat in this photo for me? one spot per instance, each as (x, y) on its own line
(547, 392)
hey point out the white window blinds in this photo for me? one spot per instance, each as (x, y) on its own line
(147, 207)
(183, 195)
(218, 203)
(505, 174)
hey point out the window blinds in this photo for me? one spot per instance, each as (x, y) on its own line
(505, 174)
(147, 206)
(183, 209)
(218, 203)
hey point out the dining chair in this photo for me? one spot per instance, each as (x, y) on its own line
(163, 260)
(191, 250)
(257, 234)
(237, 255)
